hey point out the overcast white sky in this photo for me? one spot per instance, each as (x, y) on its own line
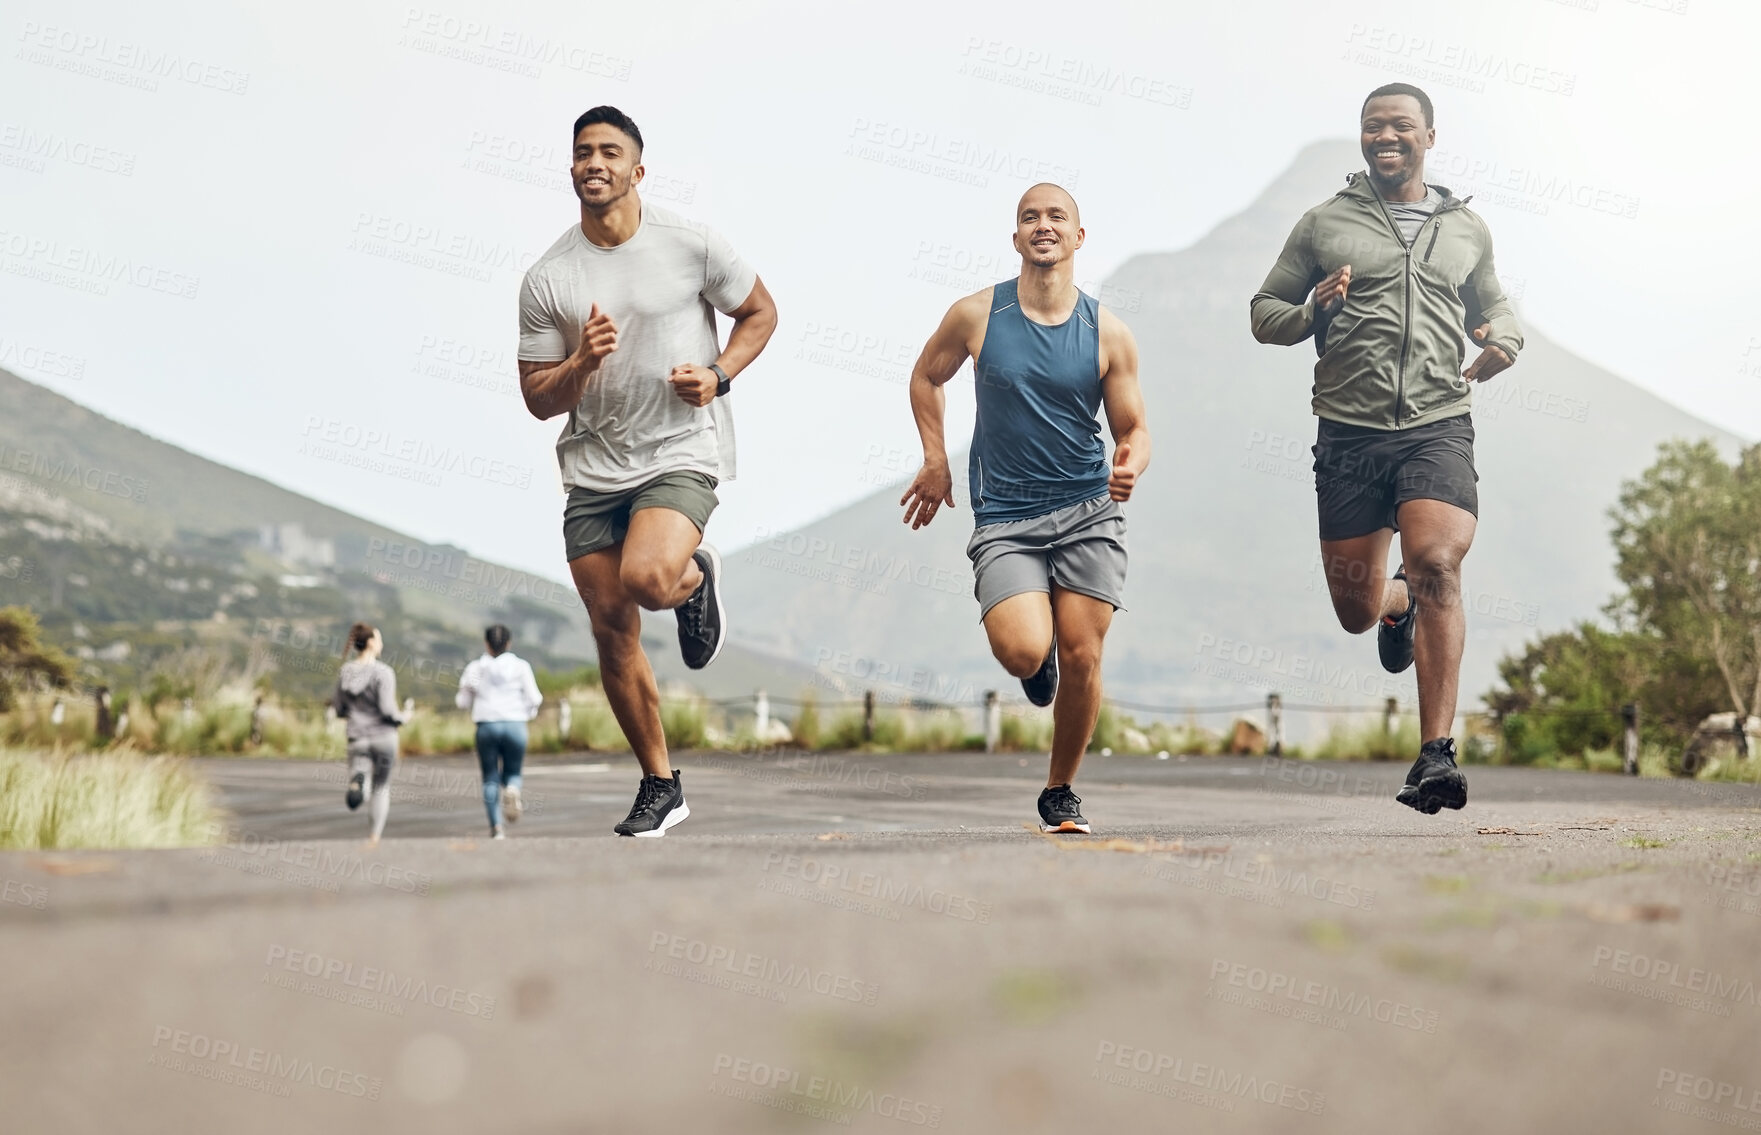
(291, 242)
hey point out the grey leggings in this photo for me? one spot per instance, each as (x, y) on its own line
(378, 754)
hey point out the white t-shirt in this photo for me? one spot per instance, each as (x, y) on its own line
(499, 687)
(662, 287)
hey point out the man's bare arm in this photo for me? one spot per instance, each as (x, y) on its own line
(556, 388)
(941, 359)
(754, 321)
(1123, 398)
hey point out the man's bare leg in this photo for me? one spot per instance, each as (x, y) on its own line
(1020, 632)
(1358, 583)
(1434, 538)
(658, 570)
(1082, 623)
(624, 672)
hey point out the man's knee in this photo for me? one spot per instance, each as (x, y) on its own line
(646, 583)
(1435, 574)
(1356, 606)
(1079, 658)
(617, 636)
(1022, 659)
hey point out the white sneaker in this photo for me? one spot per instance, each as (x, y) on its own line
(498, 833)
(510, 803)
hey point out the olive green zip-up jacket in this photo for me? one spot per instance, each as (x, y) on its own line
(1392, 357)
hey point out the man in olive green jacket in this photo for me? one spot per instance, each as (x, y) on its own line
(1399, 270)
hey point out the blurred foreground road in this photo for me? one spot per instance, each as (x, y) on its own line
(878, 943)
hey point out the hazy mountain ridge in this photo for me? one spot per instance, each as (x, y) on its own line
(1225, 596)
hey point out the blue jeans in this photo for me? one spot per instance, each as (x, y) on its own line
(501, 750)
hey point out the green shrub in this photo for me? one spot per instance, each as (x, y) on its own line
(683, 722)
(937, 731)
(806, 725)
(1369, 741)
(1025, 732)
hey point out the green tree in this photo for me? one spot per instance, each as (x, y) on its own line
(1687, 540)
(1685, 639)
(25, 659)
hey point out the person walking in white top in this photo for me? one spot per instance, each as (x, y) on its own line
(502, 694)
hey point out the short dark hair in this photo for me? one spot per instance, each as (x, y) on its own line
(497, 638)
(611, 116)
(1393, 89)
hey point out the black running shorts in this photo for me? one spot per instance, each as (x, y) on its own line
(1363, 476)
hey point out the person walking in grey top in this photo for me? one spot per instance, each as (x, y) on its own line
(366, 698)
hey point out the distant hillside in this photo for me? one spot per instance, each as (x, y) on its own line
(116, 538)
(1225, 597)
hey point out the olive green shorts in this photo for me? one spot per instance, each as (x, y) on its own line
(595, 520)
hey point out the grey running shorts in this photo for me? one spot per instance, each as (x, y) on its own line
(1363, 476)
(1080, 548)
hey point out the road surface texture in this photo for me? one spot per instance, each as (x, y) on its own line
(883, 944)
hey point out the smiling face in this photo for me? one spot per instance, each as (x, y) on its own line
(606, 166)
(1395, 137)
(1048, 229)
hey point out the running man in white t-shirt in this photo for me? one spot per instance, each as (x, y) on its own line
(618, 334)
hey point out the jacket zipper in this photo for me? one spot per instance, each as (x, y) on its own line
(1406, 281)
(1432, 247)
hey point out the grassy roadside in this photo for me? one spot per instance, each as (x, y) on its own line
(107, 800)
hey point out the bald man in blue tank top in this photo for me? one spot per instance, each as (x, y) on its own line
(1048, 549)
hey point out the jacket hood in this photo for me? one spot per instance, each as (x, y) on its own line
(1358, 185)
(358, 676)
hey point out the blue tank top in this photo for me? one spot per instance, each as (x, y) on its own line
(1036, 447)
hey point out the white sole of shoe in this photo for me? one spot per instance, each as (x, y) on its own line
(715, 593)
(672, 817)
(1066, 826)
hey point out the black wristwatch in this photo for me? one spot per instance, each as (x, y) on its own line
(723, 383)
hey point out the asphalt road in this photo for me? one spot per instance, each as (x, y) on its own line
(879, 943)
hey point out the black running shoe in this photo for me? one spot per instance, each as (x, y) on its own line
(703, 624)
(1060, 810)
(659, 805)
(1434, 782)
(357, 790)
(1394, 636)
(1043, 686)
